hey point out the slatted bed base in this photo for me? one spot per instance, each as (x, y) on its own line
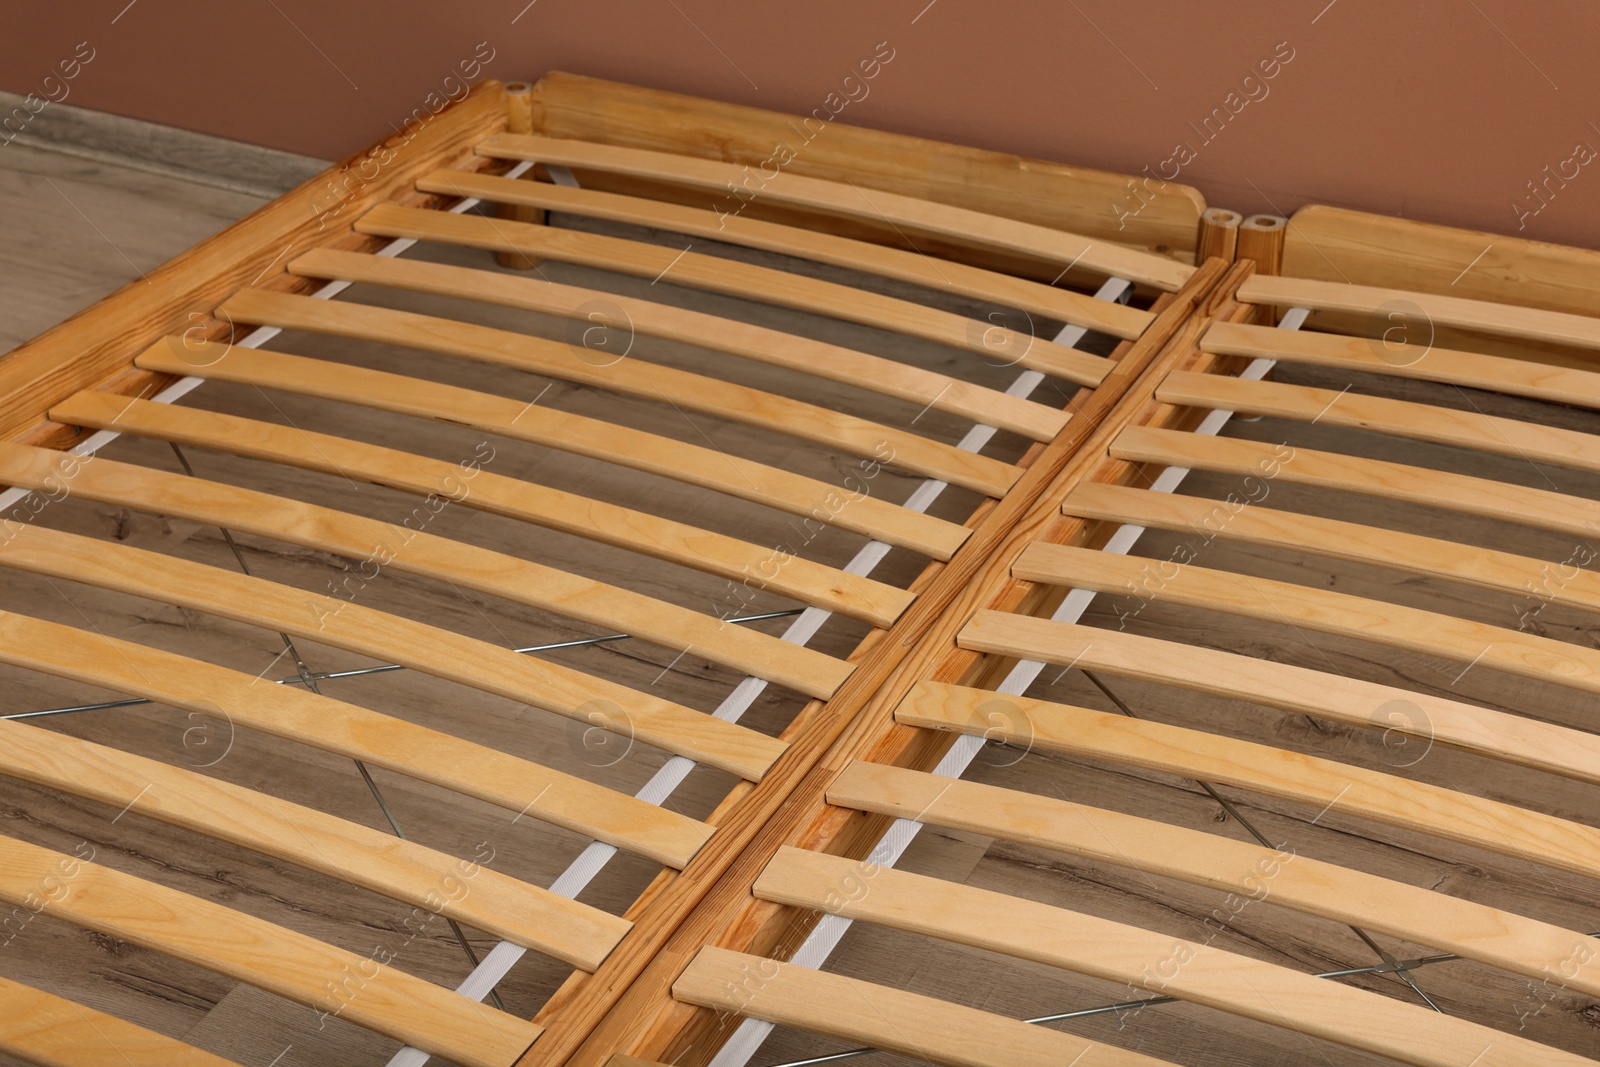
(1227, 630)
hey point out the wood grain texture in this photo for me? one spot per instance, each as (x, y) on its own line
(1239, 520)
(326, 979)
(384, 637)
(568, 432)
(1373, 477)
(941, 275)
(1561, 385)
(628, 1005)
(440, 482)
(1337, 244)
(1399, 713)
(1337, 787)
(402, 870)
(1280, 875)
(851, 201)
(419, 552)
(1504, 320)
(49, 1031)
(632, 377)
(1401, 418)
(237, 699)
(989, 407)
(1319, 610)
(1042, 191)
(1147, 960)
(100, 343)
(882, 1017)
(989, 339)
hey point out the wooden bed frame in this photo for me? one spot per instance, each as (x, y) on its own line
(1465, 360)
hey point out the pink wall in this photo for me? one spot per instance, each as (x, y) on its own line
(1443, 111)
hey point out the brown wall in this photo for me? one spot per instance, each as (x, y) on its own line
(1444, 111)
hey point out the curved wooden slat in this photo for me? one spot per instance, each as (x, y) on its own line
(883, 1017)
(1258, 525)
(419, 552)
(850, 201)
(738, 561)
(1507, 320)
(49, 1031)
(1373, 477)
(1497, 734)
(235, 699)
(361, 989)
(939, 275)
(1118, 952)
(401, 870)
(855, 510)
(1384, 798)
(628, 376)
(759, 343)
(1402, 418)
(989, 339)
(1563, 385)
(1320, 610)
(368, 632)
(1476, 931)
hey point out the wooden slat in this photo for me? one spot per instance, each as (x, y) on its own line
(632, 377)
(883, 1017)
(1506, 320)
(1402, 418)
(1318, 610)
(368, 632)
(831, 362)
(360, 989)
(990, 339)
(940, 275)
(851, 201)
(43, 1029)
(1563, 385)
(236, 699)
(690, 546)
(402, 870)
(1118, 952)
(666, 456)
(1334, 787)
(1500, 735)
(418, 552)
(1476, 931)
(1251, 523)
(1373, 477)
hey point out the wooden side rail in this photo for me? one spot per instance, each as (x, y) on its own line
(988, 338)
(631, 377)
(232, 699)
